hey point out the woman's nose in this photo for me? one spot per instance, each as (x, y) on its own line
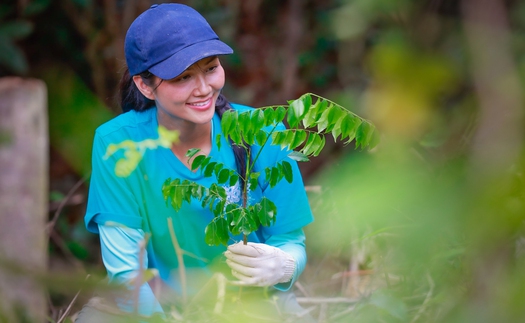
(202, 86)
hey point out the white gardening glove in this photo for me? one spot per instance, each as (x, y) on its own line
(258, 264)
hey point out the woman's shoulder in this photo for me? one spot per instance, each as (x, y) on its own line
(125, 122)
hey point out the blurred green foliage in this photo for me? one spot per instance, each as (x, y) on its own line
(74, 114)
(12, 30)
(443, 235)
(437, 228)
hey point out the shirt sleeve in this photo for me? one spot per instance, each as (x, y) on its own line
(111, 198)
(294, 244)
(120, 248)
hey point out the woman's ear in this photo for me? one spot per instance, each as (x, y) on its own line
(146, 90)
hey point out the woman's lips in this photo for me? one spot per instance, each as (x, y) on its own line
(201, 105)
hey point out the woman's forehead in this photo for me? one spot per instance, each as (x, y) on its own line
(203, 61)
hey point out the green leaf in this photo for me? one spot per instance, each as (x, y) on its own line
(288, 140)
(257, 120)
(216, 232)
(208, 199)
(186, 190)
(280, 113)
(268, 173)
(219, 191)
(197, 191)
(274, 176)
(261, 137)
(235, 136)
(299, 138)
(208, 171)
(218, 141)
(334, 115)
(253, 181)
(176, 201)
(298, 156)
(336, 131)
(308, 143)
(252, 220)
(234, 179)
(249, 138)
(320, 147)
(219, 208)
(229, 122)
(363, 135)
(349, 125)
(375, 138)
(311, 117)
(244, 122)
(307, 101)
(228, 213)
(296, 111)
(218, 168)
(269, 115)
(279, 137)
(224, 176)
(312, 144)
(205, 162)
(166, 187)
(324, 121)
(197, 162)
(267, 213)
(287, 171)
(245, 127)
(191, 152)
(240, 221)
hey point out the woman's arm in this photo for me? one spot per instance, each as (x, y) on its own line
(120, 248)
(293, 244)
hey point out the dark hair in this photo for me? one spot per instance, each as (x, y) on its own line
(132, 99)
(129, 95)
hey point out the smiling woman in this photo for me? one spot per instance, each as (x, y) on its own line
(174, 79)
(189, 97)
(186, 103)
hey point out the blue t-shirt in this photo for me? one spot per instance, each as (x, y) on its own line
(136, 201)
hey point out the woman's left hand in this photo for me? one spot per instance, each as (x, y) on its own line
(258, 264)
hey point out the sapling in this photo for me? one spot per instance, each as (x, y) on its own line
(310, 119)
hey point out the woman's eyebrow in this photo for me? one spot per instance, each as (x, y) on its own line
(209, 59)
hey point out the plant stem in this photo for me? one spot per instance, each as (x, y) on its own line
(248, 170)
(180, 259)
(245, 189)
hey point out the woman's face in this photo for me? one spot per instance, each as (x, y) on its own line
(189, 97)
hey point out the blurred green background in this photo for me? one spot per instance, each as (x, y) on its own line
(427, 227)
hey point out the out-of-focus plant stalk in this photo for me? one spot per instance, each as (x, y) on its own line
(498, 140)
(496, 148)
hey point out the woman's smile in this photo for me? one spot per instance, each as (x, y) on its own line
(201, 105)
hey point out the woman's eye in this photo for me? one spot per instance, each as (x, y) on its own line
(183, 78)
(211, 69)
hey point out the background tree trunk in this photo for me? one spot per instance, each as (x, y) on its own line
(23, 198)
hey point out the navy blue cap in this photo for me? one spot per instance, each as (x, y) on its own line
(168, 38)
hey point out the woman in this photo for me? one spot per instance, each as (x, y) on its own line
(174, 79)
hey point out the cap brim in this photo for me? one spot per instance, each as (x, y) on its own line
(177, 63)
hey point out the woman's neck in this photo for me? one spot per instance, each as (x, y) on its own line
(191, 135)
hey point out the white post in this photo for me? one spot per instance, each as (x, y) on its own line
(23, 198)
